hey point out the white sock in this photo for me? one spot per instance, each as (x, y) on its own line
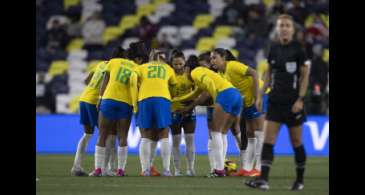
(113, 160)
(153, 145)
(250, 154)
(190, 150)
(165, 154)
(237, 138)
(217, 143)
(210, 155)
(122, 157)
(176, 139)
(100, 157)
(260, 141)
(243, 158)
(145, 154)
(81, 149)
(108, 149)
(225, 145)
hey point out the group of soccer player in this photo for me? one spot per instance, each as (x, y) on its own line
(162, 91)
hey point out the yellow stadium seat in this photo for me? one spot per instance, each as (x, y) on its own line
(92, 65)
(58, 67)
(205, 44)
(69, 3)
(202, 21)
(326, 55)
(268, 3)
(159, 2)
(111, 33)
(222, 32)
(145, 9)
(127, 22)
(75, 44)
(73, 105)
(235, 52)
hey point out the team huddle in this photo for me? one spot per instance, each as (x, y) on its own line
(162, 91)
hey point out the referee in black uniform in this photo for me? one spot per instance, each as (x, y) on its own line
(288, 78)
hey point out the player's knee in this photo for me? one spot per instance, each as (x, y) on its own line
(296, 141)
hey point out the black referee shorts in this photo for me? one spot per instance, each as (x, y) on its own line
(283, 114)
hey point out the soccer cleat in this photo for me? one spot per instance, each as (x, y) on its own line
(178, 173)
(297, 186)
(167, 173)
(258, 183)
(219, 173)
(190, 173)
(255, 173)
(78, 172)
(242, 173)
(154, 171)
(109, 173)
(145, 173)
(120, 173)
(96, 173)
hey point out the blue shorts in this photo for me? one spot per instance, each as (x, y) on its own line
(88, 114)
(115, 110)
(251, 112)
(210, 114)
(231, 101)
(154, 112)
(265, 99)
(177, 118)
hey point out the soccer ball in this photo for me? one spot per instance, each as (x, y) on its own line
(230, 167)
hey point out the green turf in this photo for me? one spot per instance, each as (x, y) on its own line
(53, 172)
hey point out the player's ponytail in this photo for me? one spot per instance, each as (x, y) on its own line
(228, 56)
(119, 52)
(157, 55)
(137, 51)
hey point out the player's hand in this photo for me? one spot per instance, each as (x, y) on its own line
(298, 106)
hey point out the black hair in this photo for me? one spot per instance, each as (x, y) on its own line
(204, 56)
(175, 53)
(138, 50)
(119, 52)
(192, 62)
(225, 53)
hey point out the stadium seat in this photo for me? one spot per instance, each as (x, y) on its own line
(226, 43)
(62, 103)
(145, 9)
(222, 32)
(69, 3)
(202, 21)
(92, 65)
(165, 9)
(75, 44)
(77, 55)
(188, 52)
(142, 2)
(235, 52)
(128, 41)
(205, 44)
(127, 22)
(187, 32)
(58, 67)
(111, 33)
(170, 31)
(159, 2)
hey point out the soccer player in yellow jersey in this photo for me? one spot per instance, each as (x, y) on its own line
(188, 121)
(227, 106)
(245, 79)
(154, 109)
(116, 107)
(88, 115)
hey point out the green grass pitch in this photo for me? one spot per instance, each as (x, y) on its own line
(53, 172)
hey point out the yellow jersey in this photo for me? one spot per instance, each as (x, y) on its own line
(118, 87)
(91, 92)
(154, 79)
(210, 81)
(183, 87)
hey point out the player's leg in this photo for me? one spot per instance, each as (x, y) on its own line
(295, 133)
(225, 130)
(110, 150)
(163, 135)
(210, 127)
(89, 119)
(220, 118)
(189, 129)
(123, 128)
(259, 134)
(271, 130)
(176, 140)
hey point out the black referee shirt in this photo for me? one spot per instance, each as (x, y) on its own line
(285, 62)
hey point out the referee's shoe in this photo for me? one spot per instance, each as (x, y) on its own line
(258, 183)
(297, 186)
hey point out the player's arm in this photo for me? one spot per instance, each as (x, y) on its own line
(267, 79)
(88, 78)
(210, 86)
(188, 97)
(104, 83)
(255, 88)
(133, 89)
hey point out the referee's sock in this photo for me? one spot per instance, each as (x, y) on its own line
(300, 158)
(267, 158)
